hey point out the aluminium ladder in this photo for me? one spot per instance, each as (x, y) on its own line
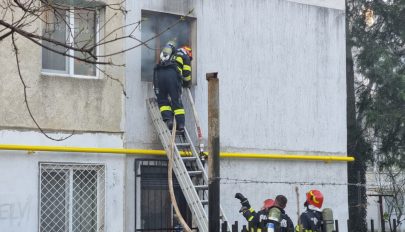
(188, 168)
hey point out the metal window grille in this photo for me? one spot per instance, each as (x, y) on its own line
(154, 204)
(72, 197)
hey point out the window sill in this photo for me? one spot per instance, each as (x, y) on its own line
(63, 75)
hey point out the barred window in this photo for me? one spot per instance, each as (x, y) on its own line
(72, 197)
(154, 204)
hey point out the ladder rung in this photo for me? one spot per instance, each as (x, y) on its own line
(201, 187)
(189, 158)
(195, 173)
(204, 202)
(183, 144)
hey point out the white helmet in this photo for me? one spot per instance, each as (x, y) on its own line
(167, 52)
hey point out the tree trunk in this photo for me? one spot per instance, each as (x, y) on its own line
(355, 147)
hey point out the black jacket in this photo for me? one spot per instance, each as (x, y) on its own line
(286, 224)
(311, 220)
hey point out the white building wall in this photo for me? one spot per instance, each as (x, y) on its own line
(281, 66)
(19, 172)
(281, 70)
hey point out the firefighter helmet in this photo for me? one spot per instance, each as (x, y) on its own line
(167, 52)
(315, 198)
(187, 50)
(268, 203)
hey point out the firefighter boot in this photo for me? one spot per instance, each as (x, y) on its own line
(169, 123)
(180, 127)
(180, 119)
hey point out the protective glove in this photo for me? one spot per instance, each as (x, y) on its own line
(186, 84)
(243, 209)
(240, 196)
(243, 200)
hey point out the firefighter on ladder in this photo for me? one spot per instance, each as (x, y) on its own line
(311, 220)
(259, 220)
(171, 74)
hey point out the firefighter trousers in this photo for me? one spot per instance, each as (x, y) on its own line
(167, 86)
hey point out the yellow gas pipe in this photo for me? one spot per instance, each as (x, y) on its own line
(30, 148)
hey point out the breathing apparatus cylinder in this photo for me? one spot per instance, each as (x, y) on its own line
(274, 218)
(328, 223)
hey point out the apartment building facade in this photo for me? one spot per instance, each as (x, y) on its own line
(281, 68)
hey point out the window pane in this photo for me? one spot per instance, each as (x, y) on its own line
(54, 200)
(84, 37)
(153, 24)
(84, 201)
(55, 28)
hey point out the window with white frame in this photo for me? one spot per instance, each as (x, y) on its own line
(72, 197)
(74, 27)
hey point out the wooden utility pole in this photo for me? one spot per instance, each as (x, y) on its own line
(213, 153)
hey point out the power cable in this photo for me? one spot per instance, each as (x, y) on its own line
(226, 180)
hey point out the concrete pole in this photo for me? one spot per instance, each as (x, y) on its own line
(380, 201)
(213, 153)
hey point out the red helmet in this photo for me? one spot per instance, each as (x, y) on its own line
(187, 50)
(315, 198)
(268, 203)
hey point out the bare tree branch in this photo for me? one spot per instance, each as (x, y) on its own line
(6, 35)
(182, 18)
(114, 79)
(32, 36)
(25, 95)
(77, 23)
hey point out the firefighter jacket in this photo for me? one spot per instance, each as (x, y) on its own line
(258, 221)
(183, 65)
(286, 224)
(311, 221)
